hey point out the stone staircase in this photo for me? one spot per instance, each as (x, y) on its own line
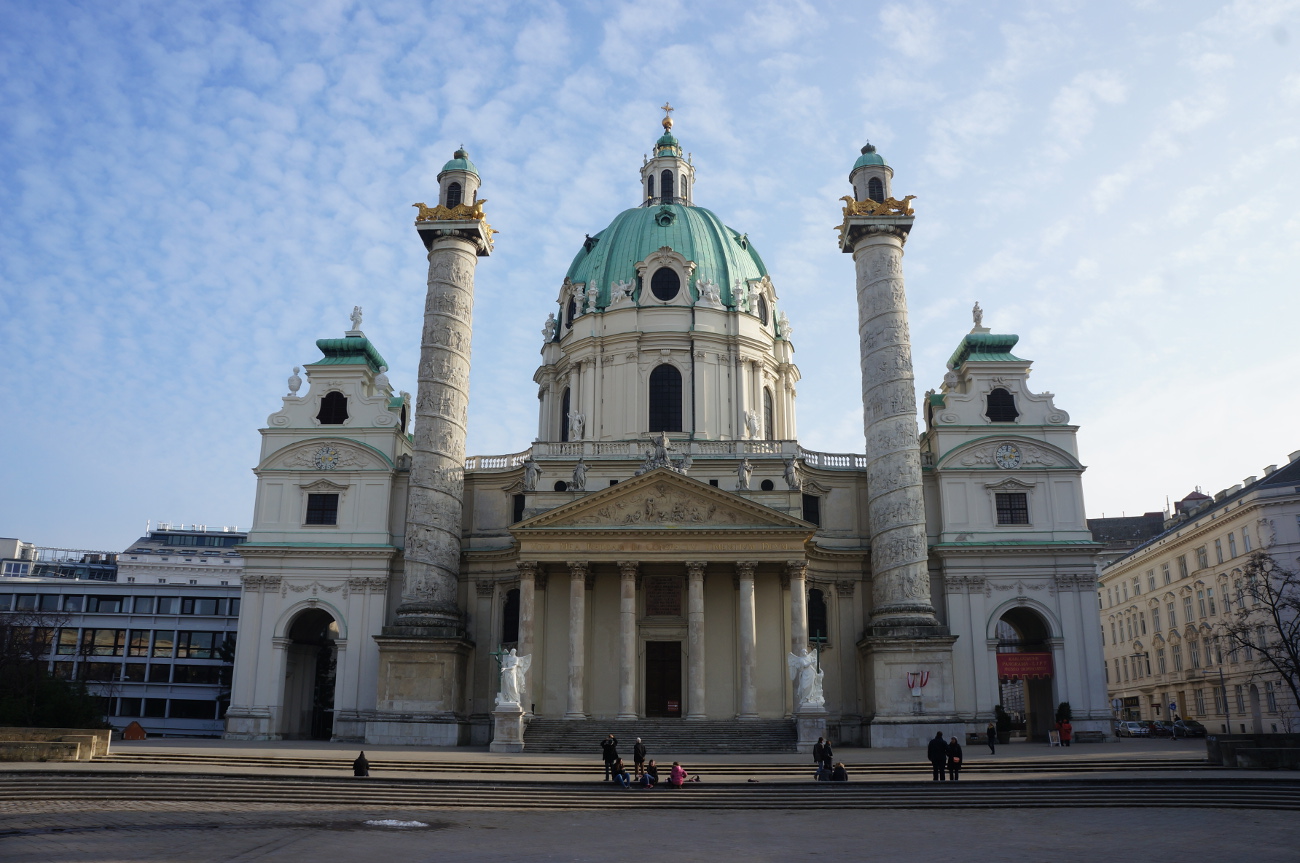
(664, 738)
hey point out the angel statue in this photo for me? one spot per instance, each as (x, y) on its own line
(752, 424)
(548, 328)
(532, 473)
(576, 421)
(977, 314)
(620, 294)
(783, 325)
(579, 476)
(356, 317)
(807, 679)
(513, 669)
(743, 471)
(792, 477)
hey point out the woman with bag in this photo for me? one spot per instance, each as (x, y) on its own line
(954, 759)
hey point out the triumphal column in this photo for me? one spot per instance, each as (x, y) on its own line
(903, 634)
(423, 654)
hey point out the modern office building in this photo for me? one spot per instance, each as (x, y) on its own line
(151, 630)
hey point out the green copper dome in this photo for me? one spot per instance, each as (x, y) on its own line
(667, 145)
(868, 158)
(721, 254)
(459, 162)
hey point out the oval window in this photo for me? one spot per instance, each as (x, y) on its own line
(665, 284)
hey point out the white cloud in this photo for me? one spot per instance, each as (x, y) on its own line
(911, 28)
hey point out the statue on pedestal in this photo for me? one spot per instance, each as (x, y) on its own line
(579, 476)
(807, 679)
(532, 473)
(792, 477)
(513, 669)
(743, 471)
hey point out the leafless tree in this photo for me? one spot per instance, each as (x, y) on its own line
(1269, 623)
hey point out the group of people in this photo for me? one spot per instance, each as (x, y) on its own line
(828, 770)
(948, 755)
(646, 774)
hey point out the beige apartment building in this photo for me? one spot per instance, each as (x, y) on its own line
(1164, 604)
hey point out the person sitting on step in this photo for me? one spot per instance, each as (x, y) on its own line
(678, 776)
(839, 774)
(620, 774)
(650, 775)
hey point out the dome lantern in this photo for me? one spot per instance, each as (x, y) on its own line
(667, 178)
(871, 176)
(458, 181)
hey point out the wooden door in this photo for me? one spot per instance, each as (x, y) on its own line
(663, 678)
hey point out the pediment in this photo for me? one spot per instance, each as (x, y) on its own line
(663, 499)
(325, 454)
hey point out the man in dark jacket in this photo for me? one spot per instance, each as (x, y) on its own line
(819, 751)
(828, 755)
(992, 733)
(609, 751)
(937, 752)
(638, 757)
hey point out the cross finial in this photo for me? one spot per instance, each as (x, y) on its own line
(668, 118)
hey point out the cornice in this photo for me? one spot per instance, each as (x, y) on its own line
(952, 549)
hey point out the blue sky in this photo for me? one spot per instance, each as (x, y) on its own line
(191, 194)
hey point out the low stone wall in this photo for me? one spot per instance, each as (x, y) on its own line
(95, 741)
(1268, 759)
(1222, 748)
(33, 750)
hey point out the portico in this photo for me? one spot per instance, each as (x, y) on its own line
(658, 560)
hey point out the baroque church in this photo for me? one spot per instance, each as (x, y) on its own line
(666, 549)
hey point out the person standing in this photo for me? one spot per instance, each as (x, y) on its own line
(609, 751)
(954, 759)
(819, 751)
(993, 737)
(828, 756)
(638, 758)
(937, 752)
(1067, 731)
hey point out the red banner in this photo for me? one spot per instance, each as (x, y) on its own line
(1023, 666)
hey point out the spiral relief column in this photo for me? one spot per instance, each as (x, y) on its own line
(423, 656)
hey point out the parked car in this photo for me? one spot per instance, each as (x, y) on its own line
(1154, 729)
(1190, 728)
(1162, 728)
(1130, 729)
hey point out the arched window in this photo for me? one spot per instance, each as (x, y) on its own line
(762, 311)
(570, 313)
(665, 283)
(666, 186)
(875, 189)
(564, 415)
(666, 399)
(817, 614)
(1002, 407)
(510, 618)
(650, 186)
(454, 195)
(769, 426)
(403, 429)
(333, 409)
(681, 186)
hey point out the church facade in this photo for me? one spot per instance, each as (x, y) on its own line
(665, 547)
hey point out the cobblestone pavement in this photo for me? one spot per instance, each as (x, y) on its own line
(62, 832)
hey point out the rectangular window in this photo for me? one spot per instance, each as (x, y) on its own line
(210, 674)
(49, 602)
(1114, 637)
(104, 604)
(1137, 586)
(1209, 597)
(1241, 699)
(1270, 696)
(184, 708)
(1117, 677)
(1106, 668)
(139, 642)
(1218, 700)
(198, 645)
(16, 569)
(160, 672)
(199, 606)
(1218, 550)
(1110, 596)
(812, 509)
(1151, 579)
(67, 642)
(103, 642)
(1160, 660)
(1245, 538)
(1261, 637)
(1164, 570)
(322, 509)
(1202, 559)
(128, 707)
(1173, 619)
(1232, 545)
(1125, 587)
(1249, 647)
(155, 708)
(1013, 507)
(517, 508)
(1126, 669)
(1182, 566)
(101, 671)
(1198, 696)
(1178, 657)
(1233, 649)
(1155, 618)
(144, 605)
(163, 643)
(1194, 651)
(234, 608)
(1187, 609)
(1142, 621)
(135, 672)
(1200, 603)
(1218, 650)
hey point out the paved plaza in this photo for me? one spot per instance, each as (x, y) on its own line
(59, 832)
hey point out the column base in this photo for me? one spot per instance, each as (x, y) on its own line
(508, 728)
(421, 675)
(628, 716)
(899, 718)
(745, 717)
(574, 716)
(696, 717)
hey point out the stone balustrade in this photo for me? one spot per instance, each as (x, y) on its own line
(635, 449)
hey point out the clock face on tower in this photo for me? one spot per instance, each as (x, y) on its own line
(326, 458)
(1007, 456)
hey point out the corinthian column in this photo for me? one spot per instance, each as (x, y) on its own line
(797, 572)
(695, 638)
(577, 640)
(895, 509)
(748, 639)
(527, 616)
(627, 640)
(433, 519)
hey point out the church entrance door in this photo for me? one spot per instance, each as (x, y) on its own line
(309, 677)
(663, 678)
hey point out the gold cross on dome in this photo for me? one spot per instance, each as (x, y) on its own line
(667, 109)
(668, 117)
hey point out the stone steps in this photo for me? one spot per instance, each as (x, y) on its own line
(1249, 793)
(583, 736)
